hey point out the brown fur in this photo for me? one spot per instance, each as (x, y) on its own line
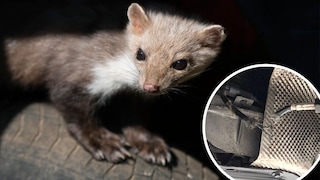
(42, 59)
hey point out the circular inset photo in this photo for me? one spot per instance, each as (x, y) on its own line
(263, 122)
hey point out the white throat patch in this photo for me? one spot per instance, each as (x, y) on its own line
(113, 75)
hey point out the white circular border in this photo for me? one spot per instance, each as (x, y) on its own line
(222, 83)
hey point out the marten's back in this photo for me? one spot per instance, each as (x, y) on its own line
(27, 58)
(35, 60)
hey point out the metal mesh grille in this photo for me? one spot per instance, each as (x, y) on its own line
(291, 143)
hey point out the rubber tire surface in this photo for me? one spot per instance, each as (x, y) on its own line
(36, 145)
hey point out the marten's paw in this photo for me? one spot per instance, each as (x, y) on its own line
(155, 151)
(101, 143)
(150, 147)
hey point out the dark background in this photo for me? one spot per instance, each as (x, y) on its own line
(281, 32)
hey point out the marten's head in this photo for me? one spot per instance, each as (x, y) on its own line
(168, 49)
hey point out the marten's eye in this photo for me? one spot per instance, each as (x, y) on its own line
(141, 56)
(180, 64)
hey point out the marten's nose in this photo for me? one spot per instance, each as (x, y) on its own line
(151, 88)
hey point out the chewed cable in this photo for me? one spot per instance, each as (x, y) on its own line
(299, 107)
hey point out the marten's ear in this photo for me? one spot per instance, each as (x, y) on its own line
(212, 36)
(138, 20)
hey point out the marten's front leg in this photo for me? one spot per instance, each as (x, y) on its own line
(78, 112)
